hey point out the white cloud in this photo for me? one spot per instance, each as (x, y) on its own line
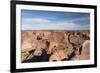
(44, 24)
(33, 21)
(82, 18)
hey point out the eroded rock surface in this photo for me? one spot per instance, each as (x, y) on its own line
(66, 43)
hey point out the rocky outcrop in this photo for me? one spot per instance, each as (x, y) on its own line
(66, 43)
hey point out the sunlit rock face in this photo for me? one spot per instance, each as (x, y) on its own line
(58, 55)
(85, 54)
(65, 42)
(57, 38)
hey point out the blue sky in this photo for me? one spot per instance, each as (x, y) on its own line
(52, 20)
